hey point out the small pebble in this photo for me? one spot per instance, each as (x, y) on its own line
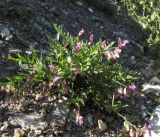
(90, 10)
(38, 132)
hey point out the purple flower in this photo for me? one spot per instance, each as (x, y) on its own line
(56, 78)
(147, 126)
(81, 32)
(77, 48)
(51, 67)
(132, 87)
(144, 115)
(90, 41)
(122, 43)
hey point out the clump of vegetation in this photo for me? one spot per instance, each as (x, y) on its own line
(83, 71)
(146, 13)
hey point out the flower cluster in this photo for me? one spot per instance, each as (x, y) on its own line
(123, 92)
(114, 53)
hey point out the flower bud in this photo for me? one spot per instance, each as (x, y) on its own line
(69, 59)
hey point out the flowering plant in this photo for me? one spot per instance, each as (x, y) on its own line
(82, 70)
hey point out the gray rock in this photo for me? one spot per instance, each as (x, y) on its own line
(155, 80)
(2, 3)
(1, 42)
(1, 124)
(143, 108)
(18, 133)
(4, 127)
(120, 34)
(90, 9)
(38, 132)
(15, 50)
(154, 131)
(31, 121)
(5, 32)
(145, 72)
(5, 135)
(90, 119)
(50, 136)
(101, 125)
(154, 89)
(59, 113)
(132, 60)
(9, 37)
(79, 3)
(31, 134)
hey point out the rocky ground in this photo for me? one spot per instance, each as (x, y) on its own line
(28, 23)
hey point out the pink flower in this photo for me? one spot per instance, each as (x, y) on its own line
(125, 91)
(81, 32)
(109, 55)
(118, 50)
(90, 41)
(77, 48)
(146, 126)
(122, 93)
(131, 133)
(79, 120)
(115, 54)
(76, 69)
(132, 87)
(103, 44)
(120, 90)
(122, 43)
(74, 110)
(51, 67)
